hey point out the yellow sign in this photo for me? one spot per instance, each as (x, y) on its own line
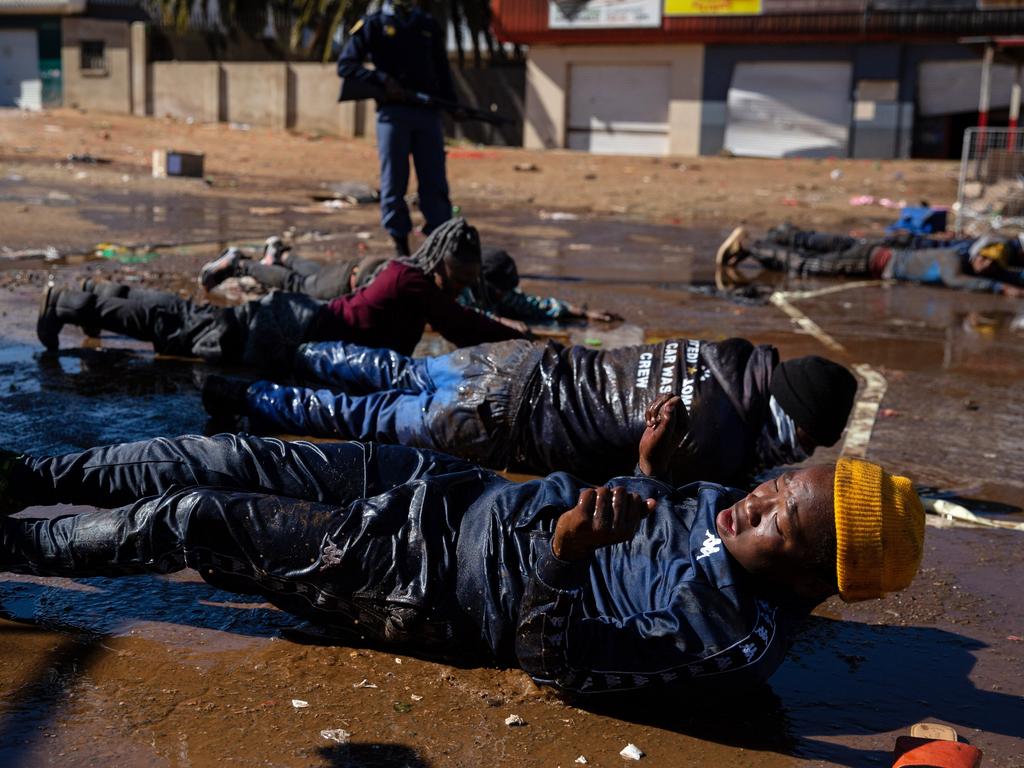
(712, 7)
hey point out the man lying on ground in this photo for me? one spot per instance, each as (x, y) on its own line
(279, 268)
(391, 312)
(971, 265)
(545, 408)
(499, 294)
(634, 585)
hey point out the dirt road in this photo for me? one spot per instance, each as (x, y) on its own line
(168, 671)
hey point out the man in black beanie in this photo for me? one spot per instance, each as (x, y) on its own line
(545, 408)
(498, 294)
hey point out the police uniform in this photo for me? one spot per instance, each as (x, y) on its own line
(407, 46)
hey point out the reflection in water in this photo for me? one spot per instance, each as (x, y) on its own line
(80, 398)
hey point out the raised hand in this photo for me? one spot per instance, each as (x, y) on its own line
(667, 423)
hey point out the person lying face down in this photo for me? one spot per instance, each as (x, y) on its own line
(498, 294)
(392, 311)
(630, 585)
(545, 408)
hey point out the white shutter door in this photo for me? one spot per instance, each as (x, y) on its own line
(789, 109)
(949, 87)
(620, 109)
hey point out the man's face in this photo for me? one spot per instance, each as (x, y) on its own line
(780, 527)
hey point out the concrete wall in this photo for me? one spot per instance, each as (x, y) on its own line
(313, 101)
(185, 89)
(547, 79)
(109, 90)
(256, 94)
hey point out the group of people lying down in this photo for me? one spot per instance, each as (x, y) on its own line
(662, 577)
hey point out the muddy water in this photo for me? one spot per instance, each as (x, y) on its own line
(168, 671)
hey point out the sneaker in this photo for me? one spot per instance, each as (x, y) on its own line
(273, 251)
(732, 250)
(220, 269)
(48, 325)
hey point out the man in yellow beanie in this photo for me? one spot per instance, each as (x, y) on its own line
(630, 585)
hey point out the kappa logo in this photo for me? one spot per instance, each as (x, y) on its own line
(712, 544)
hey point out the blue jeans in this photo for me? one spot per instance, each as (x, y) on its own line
(402, 131)
(462, 403)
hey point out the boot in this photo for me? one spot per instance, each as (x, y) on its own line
(58, 306)
(401, 244)
(224, 397)
(102, 288)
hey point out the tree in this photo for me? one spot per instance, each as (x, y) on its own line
(308, 28)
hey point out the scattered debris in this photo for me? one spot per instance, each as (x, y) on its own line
(47, 254)
(351, 192)
(836, 174)
(364, 684)
(526, 167)
(299, 703)
(126, 254)
(632, 752)
(888, 413)
(514, 721)
(339, 735)
(470, 154)
(402, 707)
(88, 159)
(15, 177)
(397, 660)
(239, 126)
(581, 760)
(971, 405)
(364, 235)
(558, 216)
(862, 200)
(414, 697)
(168, 162)
(266, 210)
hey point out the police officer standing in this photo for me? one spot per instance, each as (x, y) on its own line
(408, 51)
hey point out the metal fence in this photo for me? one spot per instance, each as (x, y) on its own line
(991, 189)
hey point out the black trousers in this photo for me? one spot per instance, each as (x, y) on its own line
(258, 516)
(321, 281)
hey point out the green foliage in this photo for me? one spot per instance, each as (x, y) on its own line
(307, 28)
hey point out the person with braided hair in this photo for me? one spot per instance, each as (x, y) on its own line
(392, 311)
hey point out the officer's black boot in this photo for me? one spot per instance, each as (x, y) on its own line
(401, 244)
(60, 306)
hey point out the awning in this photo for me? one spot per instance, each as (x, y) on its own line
(41, 7)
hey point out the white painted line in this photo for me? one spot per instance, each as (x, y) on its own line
(804, 323)
(865, 412)
(797, 295)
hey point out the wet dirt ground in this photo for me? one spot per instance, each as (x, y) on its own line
(168, 671)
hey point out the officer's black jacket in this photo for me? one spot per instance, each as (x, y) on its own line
(407, 46)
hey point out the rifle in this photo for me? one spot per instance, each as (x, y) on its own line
(357, 90)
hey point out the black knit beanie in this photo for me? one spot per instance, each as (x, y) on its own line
(817, 394)
(498, 269)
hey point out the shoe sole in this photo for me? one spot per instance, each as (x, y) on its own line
(44, 304)
(725, 250)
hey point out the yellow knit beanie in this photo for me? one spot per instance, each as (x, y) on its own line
(879, 530)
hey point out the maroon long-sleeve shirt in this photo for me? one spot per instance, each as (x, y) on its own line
(392, 311)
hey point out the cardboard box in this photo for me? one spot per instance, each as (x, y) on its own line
(168, 162)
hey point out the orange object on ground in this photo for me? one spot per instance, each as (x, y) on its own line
(911, 752)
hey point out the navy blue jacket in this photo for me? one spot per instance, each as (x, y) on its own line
(407, 46)
(438, 554)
